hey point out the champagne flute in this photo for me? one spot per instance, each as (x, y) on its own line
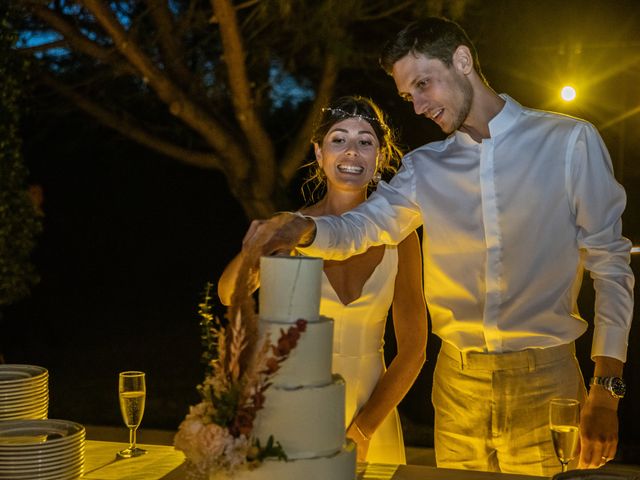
(564, 421)
(131, 391)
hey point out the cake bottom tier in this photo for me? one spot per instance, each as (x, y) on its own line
(340, 466)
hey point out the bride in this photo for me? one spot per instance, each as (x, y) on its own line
(353, 146)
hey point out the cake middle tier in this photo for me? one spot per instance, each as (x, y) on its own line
(307, 422)
(309, 363)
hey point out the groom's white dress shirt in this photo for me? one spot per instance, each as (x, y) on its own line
(509, 225)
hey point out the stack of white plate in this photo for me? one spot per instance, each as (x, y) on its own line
(41, 450)
(24, 392)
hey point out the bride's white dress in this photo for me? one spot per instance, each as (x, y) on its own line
(358, 341)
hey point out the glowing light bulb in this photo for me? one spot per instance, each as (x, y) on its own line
(568, 93)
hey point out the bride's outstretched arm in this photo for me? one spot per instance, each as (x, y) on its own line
(227, 281)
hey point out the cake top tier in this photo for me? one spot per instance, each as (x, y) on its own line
(290, 288)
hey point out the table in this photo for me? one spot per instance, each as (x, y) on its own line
(101, 462)
(165, 463)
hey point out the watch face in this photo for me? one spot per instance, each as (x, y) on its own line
(618, 387)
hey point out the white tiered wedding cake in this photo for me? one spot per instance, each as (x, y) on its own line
(305, 406)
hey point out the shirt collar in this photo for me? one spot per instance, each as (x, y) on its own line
(506, 117)
(498, 124)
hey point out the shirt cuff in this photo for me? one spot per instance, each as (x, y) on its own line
(610, 341)
(320, 242)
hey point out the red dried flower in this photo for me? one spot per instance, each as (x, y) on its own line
(293, 335)
(272, 365)
(284, 345)
(243, 422)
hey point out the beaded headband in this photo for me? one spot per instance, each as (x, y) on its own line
(342, 113)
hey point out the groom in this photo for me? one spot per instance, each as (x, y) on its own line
(514, 203)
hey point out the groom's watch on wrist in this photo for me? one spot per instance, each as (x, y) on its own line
(614, 385)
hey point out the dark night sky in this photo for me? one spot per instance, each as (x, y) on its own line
(131, 238)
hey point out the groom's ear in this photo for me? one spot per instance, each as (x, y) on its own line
(463, 60)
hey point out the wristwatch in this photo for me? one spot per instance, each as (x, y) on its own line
(614, 385)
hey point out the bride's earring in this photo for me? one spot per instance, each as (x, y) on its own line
(376, 176)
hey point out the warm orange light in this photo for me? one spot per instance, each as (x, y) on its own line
(568, 93)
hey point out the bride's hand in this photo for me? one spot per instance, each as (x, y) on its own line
(362, 442)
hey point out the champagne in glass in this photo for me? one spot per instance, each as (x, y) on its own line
(132, 392)
(564, 420)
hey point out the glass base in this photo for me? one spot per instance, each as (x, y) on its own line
(131, 452)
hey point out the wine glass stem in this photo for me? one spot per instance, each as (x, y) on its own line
(132, 438)
(565, 466)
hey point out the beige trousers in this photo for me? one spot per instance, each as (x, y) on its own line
(492, 410)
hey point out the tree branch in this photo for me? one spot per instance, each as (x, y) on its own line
(259, 141)
(295, 154)
(386, 13)
(166, 34)
(189, 15)
(242, 5)
(179, 104)
(76, 39)
(123, 125)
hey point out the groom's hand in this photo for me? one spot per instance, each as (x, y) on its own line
(280, 234)
(599, 418)
(598, 435)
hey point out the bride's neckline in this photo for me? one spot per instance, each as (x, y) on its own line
(348, 301)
